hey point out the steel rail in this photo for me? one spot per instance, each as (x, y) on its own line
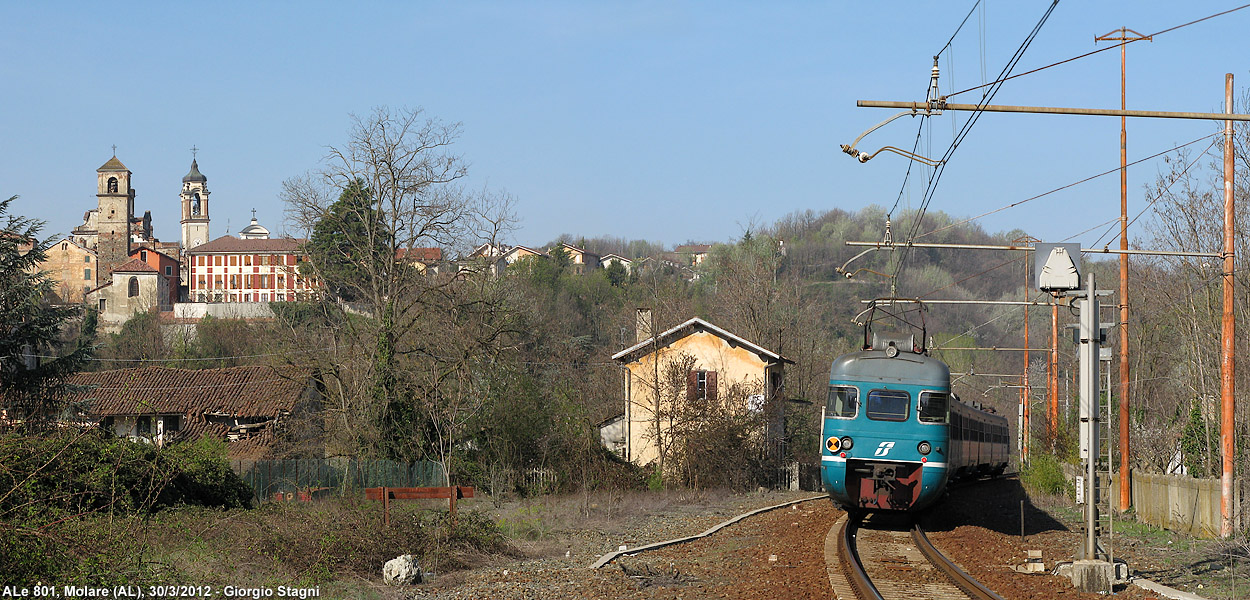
(962, 580)
(852, 567)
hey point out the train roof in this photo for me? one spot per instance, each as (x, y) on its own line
(904, 367)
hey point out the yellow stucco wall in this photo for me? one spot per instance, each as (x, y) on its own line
(712, 353)
(72, 270)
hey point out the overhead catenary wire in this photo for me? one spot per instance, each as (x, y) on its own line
(923, 117)
(1064, 187)
(961, 26)
(989, 94)
(1104, 49)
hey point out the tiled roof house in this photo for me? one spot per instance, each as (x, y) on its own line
(246, 406)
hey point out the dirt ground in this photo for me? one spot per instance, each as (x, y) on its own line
(978, 527)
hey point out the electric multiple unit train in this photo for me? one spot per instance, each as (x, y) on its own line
(893, 433)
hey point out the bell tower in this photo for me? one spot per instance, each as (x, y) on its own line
(194, 207)
(116, 204)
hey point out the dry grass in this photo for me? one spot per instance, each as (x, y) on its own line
(335, 540)
(536, 519)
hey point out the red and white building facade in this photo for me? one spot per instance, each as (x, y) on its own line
(230, 269)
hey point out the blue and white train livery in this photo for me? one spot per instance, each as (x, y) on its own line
(893, 433)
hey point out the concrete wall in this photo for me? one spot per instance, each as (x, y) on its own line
(223, 310)
(120, 306)
(1181, 503)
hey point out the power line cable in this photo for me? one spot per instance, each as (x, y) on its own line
(1064, 187)
(167, 360)
(1126, 42)
(1165, 189)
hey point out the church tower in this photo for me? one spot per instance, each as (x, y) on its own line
(116, 205)
(194, 208)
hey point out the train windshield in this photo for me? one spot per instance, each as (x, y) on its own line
(888, 405)
(843, 402)
(933, 407)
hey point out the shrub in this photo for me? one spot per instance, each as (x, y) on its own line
(204, 476)
(1043, 474)
(54, 488)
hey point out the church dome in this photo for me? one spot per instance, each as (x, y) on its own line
(254, 231)
(195, 175)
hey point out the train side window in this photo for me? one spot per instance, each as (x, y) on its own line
(843, 402)
(956, 426)
(888, 405)
(933, 407)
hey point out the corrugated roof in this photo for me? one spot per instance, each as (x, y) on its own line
(227, 243)
(112, 165)
(241, 391)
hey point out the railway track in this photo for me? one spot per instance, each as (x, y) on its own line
(888, 561)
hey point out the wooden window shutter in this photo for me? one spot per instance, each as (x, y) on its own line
(692, 385)
(711, 386)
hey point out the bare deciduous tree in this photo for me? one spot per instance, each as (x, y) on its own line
(399, 358)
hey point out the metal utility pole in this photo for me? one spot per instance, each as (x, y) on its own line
(1228, 364)
(1122, 35)
(1090, 334)
(1026, 413)
(1052, 413)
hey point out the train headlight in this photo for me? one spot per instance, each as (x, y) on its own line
(833, 444)
(924, 447)
(847, 442)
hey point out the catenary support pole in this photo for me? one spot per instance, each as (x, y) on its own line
(1228, 362)
(1122, 35)
(1052, 413)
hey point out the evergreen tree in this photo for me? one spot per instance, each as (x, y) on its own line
(30, 382)
(1196, 446)
(350, 243)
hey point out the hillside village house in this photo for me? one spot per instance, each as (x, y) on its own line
(168, 266)
(247, 407)
(722, 359)
(608, 259)
(425, 260)
(581, 259)
(693, 254)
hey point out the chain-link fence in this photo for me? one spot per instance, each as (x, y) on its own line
(305, 479)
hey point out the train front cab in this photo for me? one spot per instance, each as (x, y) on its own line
(886, 444)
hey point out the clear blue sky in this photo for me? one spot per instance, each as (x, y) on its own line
(667, 121)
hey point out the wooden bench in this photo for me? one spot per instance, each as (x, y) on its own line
(386, 494)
